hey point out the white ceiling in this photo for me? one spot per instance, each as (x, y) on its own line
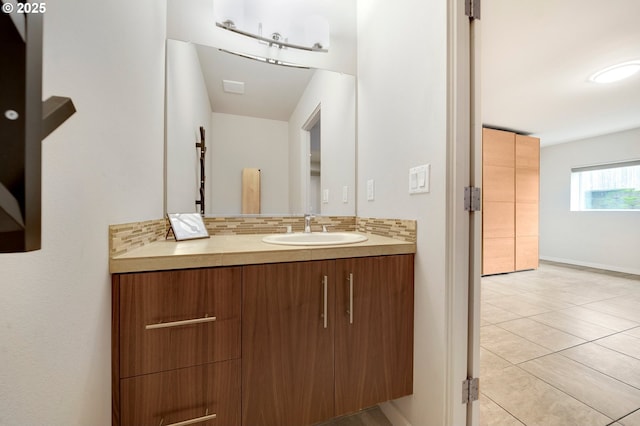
(537, 56)
(271, 91)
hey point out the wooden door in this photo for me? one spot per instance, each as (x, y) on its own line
(498, 201)
(287, 348)
(374, 331)
(527, 201)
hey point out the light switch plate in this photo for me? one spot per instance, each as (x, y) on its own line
(325, 196)
(371, 190)
(419, 179)
(345, 194)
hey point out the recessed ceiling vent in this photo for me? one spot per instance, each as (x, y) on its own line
(231, 86)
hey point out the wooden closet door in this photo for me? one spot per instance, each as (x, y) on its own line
(498, 201)
(527, 201)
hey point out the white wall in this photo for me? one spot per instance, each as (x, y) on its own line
(238, 142)
(608, 240)
(103, 166)
(336, 95)
(402, 84)
(187, 109)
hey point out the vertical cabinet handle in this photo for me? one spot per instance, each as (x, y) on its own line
(324, 302)
(350, 310)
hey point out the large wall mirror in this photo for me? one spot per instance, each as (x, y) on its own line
(291, 122)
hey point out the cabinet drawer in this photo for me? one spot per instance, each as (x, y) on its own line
(178, 319)
(186, 394)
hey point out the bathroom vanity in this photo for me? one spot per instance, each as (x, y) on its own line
(233, 331)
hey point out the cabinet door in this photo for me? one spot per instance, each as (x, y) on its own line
(374, 331)
(167, 319)
(287, 348)
(206, 395)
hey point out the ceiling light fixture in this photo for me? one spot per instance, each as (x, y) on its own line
(265, 60)
(616, 72)
(286, 23)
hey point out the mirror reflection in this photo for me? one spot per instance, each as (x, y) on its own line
(292, 129)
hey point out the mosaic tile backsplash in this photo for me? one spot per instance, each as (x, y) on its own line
(126, 237)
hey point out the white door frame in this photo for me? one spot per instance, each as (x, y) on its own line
(463, 228)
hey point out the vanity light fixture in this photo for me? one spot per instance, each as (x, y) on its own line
(276, 39)
(265, 60)
(282, 24)
(616, 72)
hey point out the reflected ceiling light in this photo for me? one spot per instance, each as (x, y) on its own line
(265, 60)
(616, 72)
(285, 23)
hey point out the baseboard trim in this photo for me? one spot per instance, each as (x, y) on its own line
(592, 265)
(393, 414)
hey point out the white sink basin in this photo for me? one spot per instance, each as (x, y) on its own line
(314, 238)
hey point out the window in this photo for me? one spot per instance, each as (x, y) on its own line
(613, 186)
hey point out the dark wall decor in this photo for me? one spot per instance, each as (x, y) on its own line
(24, 121)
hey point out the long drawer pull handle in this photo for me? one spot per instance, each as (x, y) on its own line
(192, 421)
(350, 311)
(324, 315)
(179, 323)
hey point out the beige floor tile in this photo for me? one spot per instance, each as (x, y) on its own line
(491, 414)
(519, 305)
(607, 361)
(505, 289)
(487, 294)
(541, 334)
(490, 363)
(599, 391)
(621, 342)
(577, 327)
(509, 346)
(600, 318)
(581, 294)
(493, 314)
(622, 307)
(633, 332)
(536, 403)
(547, 300)
(632, 419)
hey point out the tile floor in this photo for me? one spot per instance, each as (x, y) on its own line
(560, 346)
(370, 417)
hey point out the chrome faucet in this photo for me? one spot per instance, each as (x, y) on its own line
(307, 222)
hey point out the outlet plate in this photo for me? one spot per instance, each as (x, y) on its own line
(371, 190)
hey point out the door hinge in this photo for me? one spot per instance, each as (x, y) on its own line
(472, 199)
(472, 9)
(470, 390)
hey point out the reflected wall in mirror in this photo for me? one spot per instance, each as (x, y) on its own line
(269, 127)
(277, 124)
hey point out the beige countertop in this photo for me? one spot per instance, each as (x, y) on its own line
(228, 250)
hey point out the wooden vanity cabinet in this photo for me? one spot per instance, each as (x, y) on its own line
(287, 346)
(291, 344)
(176, 347)
(374, 331)
(298, 370)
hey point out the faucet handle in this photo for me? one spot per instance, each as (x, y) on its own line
(324, 228)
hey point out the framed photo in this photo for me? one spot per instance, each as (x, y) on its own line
(187, 226)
